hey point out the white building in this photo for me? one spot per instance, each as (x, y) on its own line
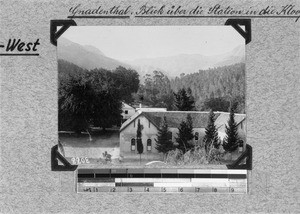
(127, 111)
(151, 121)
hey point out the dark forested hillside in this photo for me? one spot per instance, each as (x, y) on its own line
(215, 88)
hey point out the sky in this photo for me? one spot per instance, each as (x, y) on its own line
(128, 43)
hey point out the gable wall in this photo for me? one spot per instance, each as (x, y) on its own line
(148, 132)
(131, 111)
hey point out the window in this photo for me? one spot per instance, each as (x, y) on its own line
(126, 111)
(132, 144)
(149, 123)
(197, 136)
(149, 145)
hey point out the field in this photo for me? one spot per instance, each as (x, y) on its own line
(81, 146)
(109, 138)
(102, 142)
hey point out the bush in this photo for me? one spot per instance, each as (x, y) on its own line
(174, 156)
(214, 155)
(194, 156)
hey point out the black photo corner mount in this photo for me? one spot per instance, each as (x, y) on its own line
(236, 23)
(54, 33)
(55, 157)
(244, 161)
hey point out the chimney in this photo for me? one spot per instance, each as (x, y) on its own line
(140, 105)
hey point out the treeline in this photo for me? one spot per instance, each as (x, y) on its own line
(93, 98)
(156, 91)
(215, 88)
(211, 144)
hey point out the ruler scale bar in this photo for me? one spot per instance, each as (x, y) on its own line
(164, 189)
(168, 184)
(129, 174)
(162, 180)
(135, 184)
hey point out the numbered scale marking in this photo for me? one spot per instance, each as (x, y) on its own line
(162, 180)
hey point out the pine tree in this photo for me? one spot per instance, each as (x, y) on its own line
(211, 133)
(231, 140)
(191, 100)
(184, 100)
(140, 147)
(164, 142)
(185, 135)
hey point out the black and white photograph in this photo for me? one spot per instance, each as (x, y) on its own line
(157, 96)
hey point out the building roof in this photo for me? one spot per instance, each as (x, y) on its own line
(174, 118)
(152, 109)
(130, 120)
(126, 106)
(223, 118)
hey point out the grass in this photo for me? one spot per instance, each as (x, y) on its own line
(109, 138)
(146, 157)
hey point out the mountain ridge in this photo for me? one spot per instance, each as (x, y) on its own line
(189, 63)
(90, 57)
(86, 56)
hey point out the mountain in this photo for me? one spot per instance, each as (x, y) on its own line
(93, 49)
(85, 56)
(237, 55)
(187, 63)
(90, 57)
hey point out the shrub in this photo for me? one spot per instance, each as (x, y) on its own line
(214, 155)
(194, 156)
(174, 156)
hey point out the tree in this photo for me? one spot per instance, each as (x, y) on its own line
(107, 100)
(87, 98)
(209, 85)
(184, 100)
(126, 82)
(185, 134)
(231, 140)
(164, 138)
(140, 147)
(156, 91)
(75, 97)
(211, 133)
(217, 104)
